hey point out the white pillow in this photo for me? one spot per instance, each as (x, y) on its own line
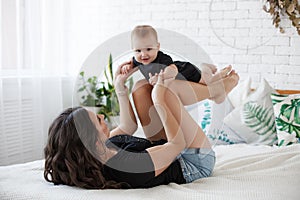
(218, 132)
(254, 119)
(240, 93)
(201, 113)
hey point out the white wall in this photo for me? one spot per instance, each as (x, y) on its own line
(236, 32)
(233, 32)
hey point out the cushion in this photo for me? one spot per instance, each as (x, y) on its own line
(287, 113)
(201, 113)
(240, 92)
(219, 133)
(254, 119)
(210, 116)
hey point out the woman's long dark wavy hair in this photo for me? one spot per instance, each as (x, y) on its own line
(67, 160)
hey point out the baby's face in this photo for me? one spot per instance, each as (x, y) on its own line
(145, 49)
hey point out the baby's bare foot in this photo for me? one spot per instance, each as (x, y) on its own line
(207, 77)
(219, 89)
(207, 71)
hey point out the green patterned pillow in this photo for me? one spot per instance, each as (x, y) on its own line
(287, 113)
(254, 119)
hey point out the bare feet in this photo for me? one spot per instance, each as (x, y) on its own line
(208, 77)
(207, 71)
(220, 88)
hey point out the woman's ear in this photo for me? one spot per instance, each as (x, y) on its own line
(158, 45)
(100, 147)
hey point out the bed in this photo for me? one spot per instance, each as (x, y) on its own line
(244, 170)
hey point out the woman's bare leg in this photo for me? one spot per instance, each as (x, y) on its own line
(191, 92)
(188, 93)
(167, 100)
(175, 95)
(148, 116)
(193, 134)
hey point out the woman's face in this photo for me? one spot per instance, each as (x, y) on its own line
(98, 121)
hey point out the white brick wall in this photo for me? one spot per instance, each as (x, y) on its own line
(245, 36)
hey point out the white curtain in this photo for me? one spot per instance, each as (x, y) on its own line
(36, 80)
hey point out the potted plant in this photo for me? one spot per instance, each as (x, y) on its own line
(101, 94)
(280, 8)
(111, 110)
(90, 95)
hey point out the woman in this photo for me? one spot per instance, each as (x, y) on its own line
(82, 152)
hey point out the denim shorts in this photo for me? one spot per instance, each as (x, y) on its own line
(196, 163)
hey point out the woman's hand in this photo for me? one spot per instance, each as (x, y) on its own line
(128, 124)
(120, 78)
(153, 79)
(167, 75)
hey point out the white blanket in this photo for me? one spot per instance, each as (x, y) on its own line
(242, 172)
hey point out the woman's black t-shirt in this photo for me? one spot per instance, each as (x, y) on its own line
(133, 165)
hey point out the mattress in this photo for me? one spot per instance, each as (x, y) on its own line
(242, 171)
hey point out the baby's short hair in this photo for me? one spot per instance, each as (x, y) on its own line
(141, 31)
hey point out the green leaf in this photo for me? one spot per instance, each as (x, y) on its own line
(259, 119)
(286, 111)
(287, 127)
(81, 89)
(281, 143)
(110, 64)
(297, 115)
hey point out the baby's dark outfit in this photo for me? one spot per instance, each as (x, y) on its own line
(186, 70)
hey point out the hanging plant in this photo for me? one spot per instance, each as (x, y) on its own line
(280, 8)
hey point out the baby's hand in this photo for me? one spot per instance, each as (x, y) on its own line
(126, 68)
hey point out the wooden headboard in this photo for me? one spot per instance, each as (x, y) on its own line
(285, 91)
(288, 91)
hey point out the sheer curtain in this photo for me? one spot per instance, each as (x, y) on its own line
(36, 80)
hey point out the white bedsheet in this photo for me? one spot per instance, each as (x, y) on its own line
(242, 172)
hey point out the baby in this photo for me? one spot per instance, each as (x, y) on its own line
(150, 60)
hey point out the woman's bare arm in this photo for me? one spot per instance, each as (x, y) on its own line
(128, 123)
